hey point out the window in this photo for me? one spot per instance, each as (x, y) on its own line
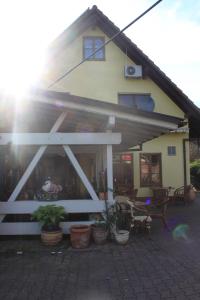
(150, 169)
(91, 44)
(138, 101)
(171, 150)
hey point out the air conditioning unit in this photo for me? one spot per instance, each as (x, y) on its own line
(133, 71)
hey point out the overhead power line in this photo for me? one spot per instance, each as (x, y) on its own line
(105, 44)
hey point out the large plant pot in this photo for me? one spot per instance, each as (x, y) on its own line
(99, 235)
(122, 237)
(80, 236)
(51, 238)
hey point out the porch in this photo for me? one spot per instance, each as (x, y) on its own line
(78, 137)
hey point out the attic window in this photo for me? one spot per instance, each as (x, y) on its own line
(90, 45)
(138, 101)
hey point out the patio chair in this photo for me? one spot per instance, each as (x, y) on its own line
(160, 195)
(139, 217)
(184, 194)
(159, 211)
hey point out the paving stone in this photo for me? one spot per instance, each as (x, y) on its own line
(157, 268)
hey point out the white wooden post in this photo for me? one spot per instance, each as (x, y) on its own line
(109, 159)
(110, 172)
(80, 172)
(33, 164)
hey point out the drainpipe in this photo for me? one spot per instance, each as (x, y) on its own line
(184, 161)
(2, 170)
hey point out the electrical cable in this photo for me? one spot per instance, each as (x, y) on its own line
(105, 44)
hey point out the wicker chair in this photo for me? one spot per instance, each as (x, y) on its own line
(158, 208)
(159, 211)
(184, 194)
(139, 217)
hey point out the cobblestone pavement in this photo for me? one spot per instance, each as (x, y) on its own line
(159, 267)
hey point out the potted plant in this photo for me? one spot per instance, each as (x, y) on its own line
(49, 217)
(80, 236)
(119, 225)
(100, 232)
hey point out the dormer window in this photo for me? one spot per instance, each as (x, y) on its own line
(90, 45)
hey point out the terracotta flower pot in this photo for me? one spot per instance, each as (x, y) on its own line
(99, 235)
(80, 236)
(51, 238)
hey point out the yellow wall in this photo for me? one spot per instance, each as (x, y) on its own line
(172, 166)
(103, 80)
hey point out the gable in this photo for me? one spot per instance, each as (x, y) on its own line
(104, 80)
(94, 17)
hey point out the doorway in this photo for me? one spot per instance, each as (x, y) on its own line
(123, 173)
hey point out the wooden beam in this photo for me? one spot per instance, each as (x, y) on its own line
(107, 112)
(71, 206)
(33, 164)
(34, 228)
(60, 138)
(81, 173)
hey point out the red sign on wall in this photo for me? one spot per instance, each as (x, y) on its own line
(126, 157)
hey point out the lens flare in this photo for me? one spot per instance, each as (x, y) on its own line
(148, 201)
(181, 232)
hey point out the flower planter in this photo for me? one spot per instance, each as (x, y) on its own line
(80, 236)
(122, 237)
(51, 238)
(99, 235)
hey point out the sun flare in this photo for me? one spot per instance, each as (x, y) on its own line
(20, 72)
(23, 47)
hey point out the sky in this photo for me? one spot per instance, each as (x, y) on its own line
(169, 35)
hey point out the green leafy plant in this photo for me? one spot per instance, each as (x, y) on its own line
(49, 216)
(118, 219)
(195, 173)
(101, 224)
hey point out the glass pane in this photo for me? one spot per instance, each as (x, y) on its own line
(155, 179)
(99, 54)
(155, 168)
(145, 169)
(155, 159)
(145, 179)
(88, 43)
(98, 43)
(150, 169)
(171, 150)
(127, 100)
(88, 52)
(144, 102)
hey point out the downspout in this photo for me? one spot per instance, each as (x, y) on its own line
(2, 171)
(184, 161)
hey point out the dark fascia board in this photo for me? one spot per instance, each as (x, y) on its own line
(93, 17)
(102, 104)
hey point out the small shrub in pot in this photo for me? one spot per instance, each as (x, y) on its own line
(49, 217)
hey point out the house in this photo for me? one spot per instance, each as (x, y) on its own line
(117, 122)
